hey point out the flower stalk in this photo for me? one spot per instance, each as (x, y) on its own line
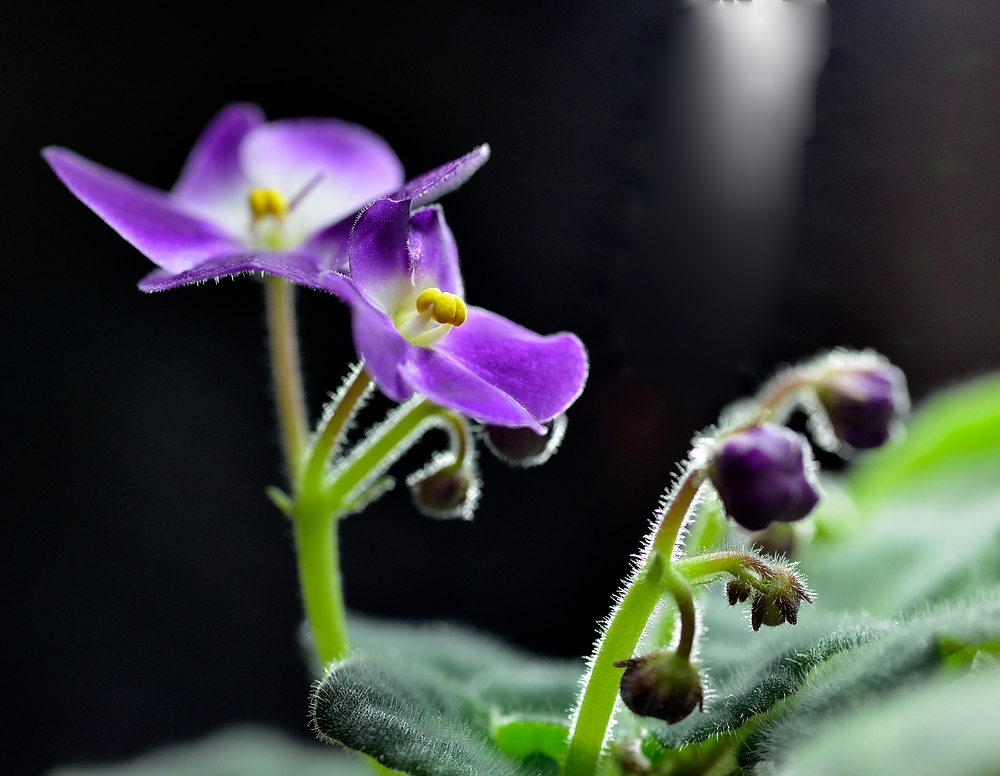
(594, 712)
(286, 370)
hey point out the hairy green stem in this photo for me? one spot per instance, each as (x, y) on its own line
(714, 563)
(319, 579)
(286, 370)
(333, 425)
(625, 627)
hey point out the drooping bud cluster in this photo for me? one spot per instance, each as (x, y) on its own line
(763, 474)
(522, 447)
(662, 685)
(775, 596)
(863, 396)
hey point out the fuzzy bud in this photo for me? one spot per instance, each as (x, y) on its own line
(762, 475)
(446, 491)
(660, 685)
(522, 447)
(863, 400)
(778, 600)
(737, 591)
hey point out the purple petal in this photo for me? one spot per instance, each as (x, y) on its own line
(212, 183)
(377, 253)
(329, 246)
(433, 253)
(382, 347)
(296, 266)
(542, 374)
(351, 164)
(435, 184)
(142, 215)
(451, 385)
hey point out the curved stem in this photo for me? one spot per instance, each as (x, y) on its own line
(333, 424)
(726, 562)
(680, 589)
(625, 627)
(381, 448)
(665, 538)
(286, 370)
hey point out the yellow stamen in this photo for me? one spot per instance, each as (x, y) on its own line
(447, 308)
(267, 202)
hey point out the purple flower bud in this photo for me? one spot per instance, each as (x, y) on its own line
(864, 403)
(660, 685)
(762, 475)
(522, 447)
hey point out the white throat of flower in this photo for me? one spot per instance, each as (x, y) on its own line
(270, 225)
(426, 319)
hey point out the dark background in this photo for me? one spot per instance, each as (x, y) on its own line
(147, 587)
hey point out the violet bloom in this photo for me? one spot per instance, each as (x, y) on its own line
(417, 335)
(275, 197)
(762, 475)
(864, 403)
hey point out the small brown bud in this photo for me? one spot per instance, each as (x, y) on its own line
(660, 685)
(447, 492)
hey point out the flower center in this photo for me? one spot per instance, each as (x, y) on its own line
(432, 315)
(267, 202)
(268, 210)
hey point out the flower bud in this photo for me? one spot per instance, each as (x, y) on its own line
(737, 591)
(863, 400)
(763, 474)
(778, 600)
(522, 447)
(660, 685)
(445, 491)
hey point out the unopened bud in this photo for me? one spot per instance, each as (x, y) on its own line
(446, 491)
(864, 397)
(738, 591)
(778, 600)
(522, 447)
(762, 475)
(660, 685)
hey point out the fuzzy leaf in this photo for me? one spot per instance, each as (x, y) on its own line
(237, 751)
(497, 677)
(890, 665)
(407, 720)
(945, 727)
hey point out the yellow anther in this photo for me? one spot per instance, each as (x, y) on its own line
(267, 202)
(444, 307)
(426, 299)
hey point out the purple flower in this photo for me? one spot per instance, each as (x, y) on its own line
(864, 401)
(276, 197)
(762, 476)
(417, 335)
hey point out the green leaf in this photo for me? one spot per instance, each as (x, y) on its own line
(944, 727)
(747, 674)
(409, 720)
(499, 678)
(894, 664)
(782, 685)
(237, 751)
(521, 737)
